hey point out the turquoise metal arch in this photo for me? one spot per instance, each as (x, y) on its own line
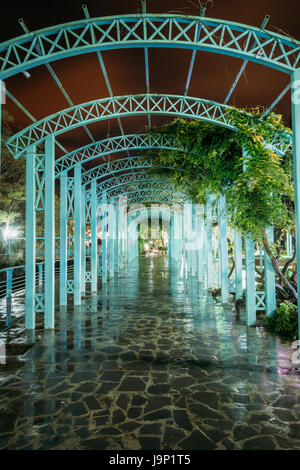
(122, 143)
(149, 30)
(169, 198)
(106, 169)
(149, 194)
(143, 185)
(128, 180)
(128, 164)
(114, 107)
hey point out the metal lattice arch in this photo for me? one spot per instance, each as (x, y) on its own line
(80, 190)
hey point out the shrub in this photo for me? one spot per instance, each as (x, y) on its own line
(284, 321)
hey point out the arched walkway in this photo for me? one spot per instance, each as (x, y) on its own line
(125, 346)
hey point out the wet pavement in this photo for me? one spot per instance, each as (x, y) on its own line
(152, 362)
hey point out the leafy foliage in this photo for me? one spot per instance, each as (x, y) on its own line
(284, 321)
(257, 183)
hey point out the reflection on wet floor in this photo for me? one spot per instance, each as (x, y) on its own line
(152, 362)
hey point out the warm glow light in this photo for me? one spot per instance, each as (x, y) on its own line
(10, 232)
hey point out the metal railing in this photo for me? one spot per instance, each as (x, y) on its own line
(12, 290)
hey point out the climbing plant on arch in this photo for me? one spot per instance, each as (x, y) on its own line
(257, 182)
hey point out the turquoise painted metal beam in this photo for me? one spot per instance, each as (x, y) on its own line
(270, 292)
(223, 258)
(104, 236)
(250, 282)
(147, 189)
(117, 237)
(208, 226)
(83, 247)
(63, 247)
(94, 238)
(130, 105)
(238, 259)
(295, 80)
(77, 235)
(146, 30)
(132, 179)
(30, 250)
(112, 145)
(49, 232)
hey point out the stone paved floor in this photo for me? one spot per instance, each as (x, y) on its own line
(151, 363)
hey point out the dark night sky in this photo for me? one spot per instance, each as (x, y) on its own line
(81, 76)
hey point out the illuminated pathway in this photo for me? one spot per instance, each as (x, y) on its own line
(152, 363)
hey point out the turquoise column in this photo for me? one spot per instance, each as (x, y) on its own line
(104, 238)
(200, 230)
(111, 239)
(194, 241)
(127, 242)
(171, 239)
(189, 229)
(77, 235)
(238, 259)
(178, 235)
(94, 238)
(208, 226)
(83, 247)
(250, 282)
(49, 231)
(63, 240)
(30, 240)
(184, 240)
(223, 249)
(295, 78)
(121, 230)
(270, 291)
(117, 237)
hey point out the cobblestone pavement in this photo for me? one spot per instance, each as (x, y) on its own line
(152, 362)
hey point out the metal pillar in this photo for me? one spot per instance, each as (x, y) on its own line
(49, 231)
(83, 247)
(116, 245)
(172, 238)
(94, 238)
(104, 238)
(208, 210)
(30, 240)
(77, 235)
(223, 249)
(63, 240)
(296, 155)
(200, 231)
(238, 259)
(250, 282)
(188, 232)
(194, 248)
(111, 238)
(270, 291)
(121, 230)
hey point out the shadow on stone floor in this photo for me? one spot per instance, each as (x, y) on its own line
(152, 362)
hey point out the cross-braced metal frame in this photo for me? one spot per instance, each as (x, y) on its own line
(81, 192)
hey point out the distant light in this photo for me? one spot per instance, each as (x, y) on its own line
(26, 74)
(10, 232)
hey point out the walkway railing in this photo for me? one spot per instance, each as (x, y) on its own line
(12, 290)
